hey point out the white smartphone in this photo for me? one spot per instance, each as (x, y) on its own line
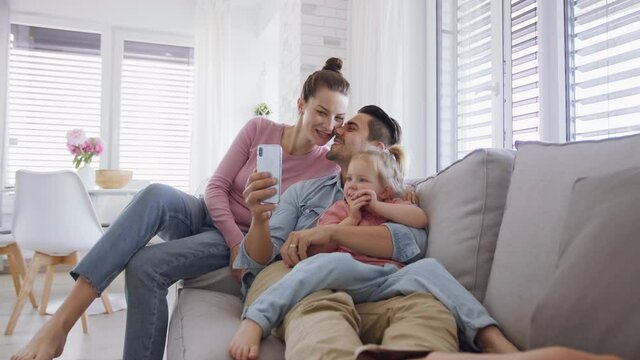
(270, 160)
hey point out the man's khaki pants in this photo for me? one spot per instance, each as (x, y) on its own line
(327, 324)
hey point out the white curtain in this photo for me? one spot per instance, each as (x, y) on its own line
(211, 125)
(386, 66)
(5, 29)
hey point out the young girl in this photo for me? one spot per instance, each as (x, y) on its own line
(373, 196)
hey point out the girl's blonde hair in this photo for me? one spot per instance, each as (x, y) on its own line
(389, 163)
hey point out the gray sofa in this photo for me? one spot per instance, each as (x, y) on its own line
(497, 223)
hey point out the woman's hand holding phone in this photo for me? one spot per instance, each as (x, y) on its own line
(257, 189)
(262, 191)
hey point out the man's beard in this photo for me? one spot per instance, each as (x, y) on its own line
(332, 155)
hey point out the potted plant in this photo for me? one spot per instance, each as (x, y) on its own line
(262, 109)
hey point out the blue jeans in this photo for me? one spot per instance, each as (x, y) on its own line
(193, 247)
(368, 283)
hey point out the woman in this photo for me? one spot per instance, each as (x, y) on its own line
(204, 233)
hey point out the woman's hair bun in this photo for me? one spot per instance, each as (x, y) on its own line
(333, 64)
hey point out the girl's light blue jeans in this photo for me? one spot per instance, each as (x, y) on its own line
(193, 247)
(369, 283)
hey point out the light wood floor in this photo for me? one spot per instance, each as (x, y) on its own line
(104, 341)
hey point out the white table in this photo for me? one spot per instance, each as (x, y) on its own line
(97, 192)
(109, 203)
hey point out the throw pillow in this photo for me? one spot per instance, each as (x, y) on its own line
(527, 249)
(593, 299)
(465, 203)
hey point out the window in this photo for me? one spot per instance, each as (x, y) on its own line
(156, 112)
(54, 86)
(604, 76)
(523, 64)
(487, 86)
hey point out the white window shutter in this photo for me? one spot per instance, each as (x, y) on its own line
(605, 68)
(488, 78)
(525, 94)
(54, 86)
(156, 112)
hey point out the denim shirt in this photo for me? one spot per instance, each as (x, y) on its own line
(299, 209)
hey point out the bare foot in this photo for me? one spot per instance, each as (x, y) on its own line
(245, 344)
(491, 340)
(551, 353)
(46, 344)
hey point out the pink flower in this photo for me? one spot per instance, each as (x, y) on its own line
(98, 146)
(93, 146)
(74, 149)
(76, 137)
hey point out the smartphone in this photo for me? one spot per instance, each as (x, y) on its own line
(270, 160)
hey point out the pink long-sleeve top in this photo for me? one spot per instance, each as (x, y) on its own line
(223, 195)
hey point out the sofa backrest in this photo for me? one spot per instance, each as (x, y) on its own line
(527, 249)
(465, 203)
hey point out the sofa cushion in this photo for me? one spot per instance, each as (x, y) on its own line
(219, 280)
(465, 203)
(527, 249)
(202, 324)
(592, 301)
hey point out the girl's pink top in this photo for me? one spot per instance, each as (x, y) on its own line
(340, 211)
(223, 194)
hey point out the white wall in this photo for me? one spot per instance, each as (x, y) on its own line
(289, 67)
(246, 64)
(269, 77)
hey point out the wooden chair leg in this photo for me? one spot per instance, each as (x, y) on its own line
(16, 267)
(13, 269)
(46, 292)
(106, 302)
(85, 326)
(36, 263)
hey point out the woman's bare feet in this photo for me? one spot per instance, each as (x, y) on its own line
(245, 344)
(46, 344)
(491, 340)
(551, 353)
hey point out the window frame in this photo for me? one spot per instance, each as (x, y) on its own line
(552, 67)
(570, 62)
(111, 51)
(120, 36)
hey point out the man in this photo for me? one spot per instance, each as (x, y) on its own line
(328, 324)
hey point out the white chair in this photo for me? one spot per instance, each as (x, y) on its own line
(16, 264)
(54, 217)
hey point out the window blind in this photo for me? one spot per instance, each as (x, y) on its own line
(473, 97)
(475, 85)
(604, 50)
(156, 112)
(525, 93)
(53, 86)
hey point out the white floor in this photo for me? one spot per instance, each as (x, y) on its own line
(106, 332)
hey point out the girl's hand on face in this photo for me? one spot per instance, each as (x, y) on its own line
(370, 195)
(356, 203)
